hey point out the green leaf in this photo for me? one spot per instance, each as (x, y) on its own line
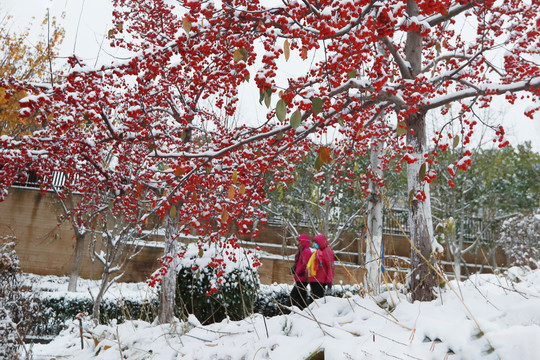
(281, 109)
(422, 172)
(316, 105)
(318, 163)
(341, 121)
(244, 53)
(351, 74)
(296, 119)
(456, 141)
(268, 97)
(401, 128)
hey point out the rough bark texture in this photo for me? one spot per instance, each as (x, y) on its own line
(423, 279)
(77, 260)
(374, 224)
(168, 284)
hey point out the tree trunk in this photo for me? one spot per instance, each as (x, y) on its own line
(96, 310)
(422, 278)
(168, 284)
(77, 260)
(374, 224)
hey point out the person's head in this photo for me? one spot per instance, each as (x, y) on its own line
(320, 241)
(303, 241)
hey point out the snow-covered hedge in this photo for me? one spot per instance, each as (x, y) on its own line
(57, 310)
(216, 280)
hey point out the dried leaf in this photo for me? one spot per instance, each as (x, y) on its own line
(186, 24)
(456, 141)
(235, 176)
(287, 50)
(237, 55)
(172, 211)
(304, 54)
(224, 216)
(232, 192)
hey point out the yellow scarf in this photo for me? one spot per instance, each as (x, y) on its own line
(312, 264)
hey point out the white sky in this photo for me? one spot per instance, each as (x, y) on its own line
(87, 21)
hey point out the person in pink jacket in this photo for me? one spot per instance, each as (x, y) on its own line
(320, 267)
(301, 258)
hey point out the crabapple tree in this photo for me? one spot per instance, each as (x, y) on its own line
(145, 123)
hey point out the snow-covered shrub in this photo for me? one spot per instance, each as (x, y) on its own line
(18, 305)
(57, 310)
(273, 300)
(520, 239)
(216, 280)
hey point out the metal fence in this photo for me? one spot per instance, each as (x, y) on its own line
(34, 182)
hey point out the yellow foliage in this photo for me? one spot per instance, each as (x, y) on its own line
(23, 60)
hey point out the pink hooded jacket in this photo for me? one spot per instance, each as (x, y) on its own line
(325, 258)
(302, 257)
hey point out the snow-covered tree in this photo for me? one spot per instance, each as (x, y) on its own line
(321, 198)
(394, 58)
(520, 239)
(17, 304)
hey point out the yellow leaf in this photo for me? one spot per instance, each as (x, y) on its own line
(179, 171)
(172, 211)
(324, 154)
(242, 189)
(287, 50)
(232, 192)
(234, 176)
(240, 54)
(237, 55)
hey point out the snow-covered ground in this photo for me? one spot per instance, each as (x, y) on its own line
(486, 317)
